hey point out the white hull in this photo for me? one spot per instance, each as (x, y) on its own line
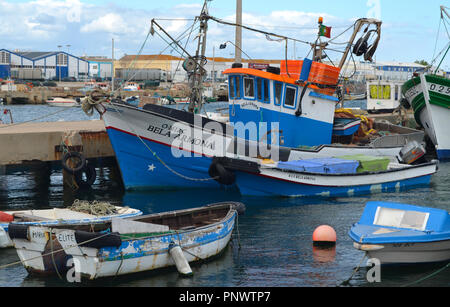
(408, 253)
(437, 128)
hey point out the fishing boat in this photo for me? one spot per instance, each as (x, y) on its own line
(383, 96)
(162, 148)
(50, 217)
(326, 177)
(131, 86)
(397, 233)
(62, 102)
(133, 245)
(429, 96)
(346, 126)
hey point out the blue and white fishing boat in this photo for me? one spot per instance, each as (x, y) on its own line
(397, 233)
(65, 216)
(134, 245)
(330, 177)
(163, 148)
(346, 126)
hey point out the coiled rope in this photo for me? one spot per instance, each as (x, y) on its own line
(95, 208)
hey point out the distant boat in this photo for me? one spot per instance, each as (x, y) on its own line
(383, 96)
(62, 102)
(346, 126)
(131, 86)
(402, 234)
(134, 245)
(50, 217)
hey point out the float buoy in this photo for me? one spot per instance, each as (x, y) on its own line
(5, 217)
(324, 236)
(181, 263)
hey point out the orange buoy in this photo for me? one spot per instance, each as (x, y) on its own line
(5, 217)
(324, 235)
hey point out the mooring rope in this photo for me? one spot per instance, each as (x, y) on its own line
(94, 101)
(428, 276)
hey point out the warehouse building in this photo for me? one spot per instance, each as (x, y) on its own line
(41, 65)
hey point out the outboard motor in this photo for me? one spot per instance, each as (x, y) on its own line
(411, 153)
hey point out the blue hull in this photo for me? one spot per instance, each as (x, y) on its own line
(443, 154)
(140, 169)
(256, 185)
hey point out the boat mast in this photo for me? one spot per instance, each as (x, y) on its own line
(197, 75)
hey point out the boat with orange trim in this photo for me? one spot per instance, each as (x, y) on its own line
(274, 114)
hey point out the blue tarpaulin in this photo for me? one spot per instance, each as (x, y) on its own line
(321, 166)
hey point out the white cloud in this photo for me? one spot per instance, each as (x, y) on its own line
(111, 23)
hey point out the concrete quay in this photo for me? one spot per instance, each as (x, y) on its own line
(46, 142)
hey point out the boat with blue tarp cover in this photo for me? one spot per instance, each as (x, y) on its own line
(322, 177)
(398, 233)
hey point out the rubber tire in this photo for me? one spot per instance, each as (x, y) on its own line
(225, 177)
(91, 176)
(79, 167)
(16, 231)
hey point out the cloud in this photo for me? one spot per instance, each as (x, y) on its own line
(111, 23)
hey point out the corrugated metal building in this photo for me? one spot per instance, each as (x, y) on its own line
(51, 64)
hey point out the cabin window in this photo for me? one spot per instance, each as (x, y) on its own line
(249, 88)
(290, 96)
(266, 91)
(235, 87)
(380, 92)
(278, 92)
(389, 217)
(262, 89)
(232, 87)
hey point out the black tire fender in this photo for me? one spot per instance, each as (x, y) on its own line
(97, 240)
(222, 175)
(91, 176)
(18, 231)
(79, 167)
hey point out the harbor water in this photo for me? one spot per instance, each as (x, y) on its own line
(271, 245)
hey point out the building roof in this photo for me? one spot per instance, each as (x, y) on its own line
(32, 55)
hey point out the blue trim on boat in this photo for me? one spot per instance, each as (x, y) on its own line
(256, 185)
(322, 96)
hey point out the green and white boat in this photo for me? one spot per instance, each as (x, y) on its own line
(429, 96)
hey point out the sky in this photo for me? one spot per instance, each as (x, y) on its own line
(409, 31)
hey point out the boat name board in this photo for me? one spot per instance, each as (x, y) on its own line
(416, 90)
(38, 234)
(441, 89)
(301, 177)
